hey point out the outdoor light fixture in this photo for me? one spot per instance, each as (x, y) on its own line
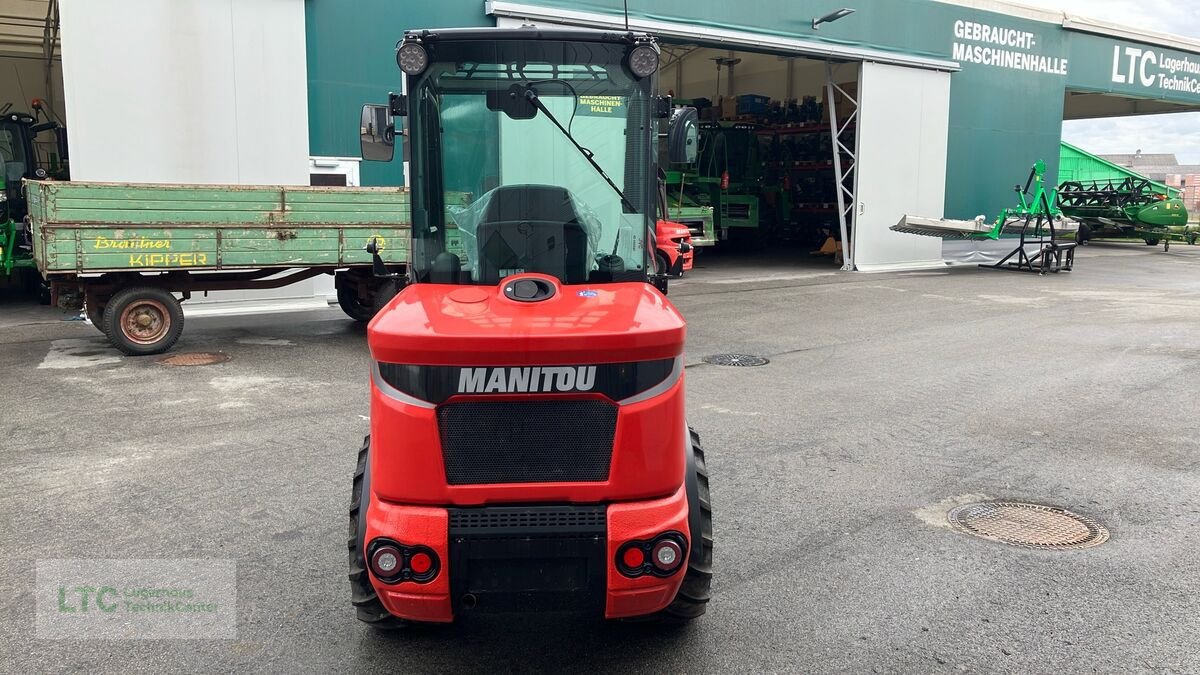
(832, 16)
(412, 58)
(643, 60)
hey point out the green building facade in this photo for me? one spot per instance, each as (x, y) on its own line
(1020, 72)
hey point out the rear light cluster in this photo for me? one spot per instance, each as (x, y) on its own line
(392, 562)
(661, 556)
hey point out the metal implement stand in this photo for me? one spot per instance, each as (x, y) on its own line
(1052, 255)
(1037, 229)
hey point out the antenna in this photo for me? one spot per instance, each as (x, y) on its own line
(626, 16)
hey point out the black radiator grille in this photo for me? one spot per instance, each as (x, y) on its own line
(527, 441)
(526, 520)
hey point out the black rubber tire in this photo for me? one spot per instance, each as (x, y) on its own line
(95, 314)
(347, 297)
(384, 294)
(36, 286)
(362, 595)
(694, 593)
(1151, 242)
(1083, 235)
(123, 299)
(661, 263)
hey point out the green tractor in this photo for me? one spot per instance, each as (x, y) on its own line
(22, 157)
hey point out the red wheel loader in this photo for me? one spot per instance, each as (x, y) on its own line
(528, 447)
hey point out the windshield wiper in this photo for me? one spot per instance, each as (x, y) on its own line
(532, 97)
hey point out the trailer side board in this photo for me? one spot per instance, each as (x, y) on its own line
(101, 227)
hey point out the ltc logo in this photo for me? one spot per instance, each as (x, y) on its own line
(535, 380)
(1138, 60)
(77, 599)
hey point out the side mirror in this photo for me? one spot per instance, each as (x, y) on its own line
(377, 133)
(683, 136)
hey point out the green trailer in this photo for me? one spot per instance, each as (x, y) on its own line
(130, 252)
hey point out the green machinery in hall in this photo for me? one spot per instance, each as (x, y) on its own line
(1036, 221)
(683, 208)
(1125, 208)
(725, 179)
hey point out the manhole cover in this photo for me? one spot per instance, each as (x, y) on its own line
(1030, 525)
(735, 360)
(194, 359)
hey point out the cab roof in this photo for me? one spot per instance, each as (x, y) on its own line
(529, 32)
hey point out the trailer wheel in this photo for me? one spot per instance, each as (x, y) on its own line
(692, 599)
(143, 320)
(95, 314)
(347, 297)
(1083, 235)
(1151, 242)
(384, 294)
(362, 594)
(36, 286)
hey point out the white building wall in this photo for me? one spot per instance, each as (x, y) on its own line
(189, 91)
(186, 91)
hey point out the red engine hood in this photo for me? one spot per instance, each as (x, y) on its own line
(435, 324)
(668, 229)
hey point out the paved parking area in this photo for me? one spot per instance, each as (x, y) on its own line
(887, 398)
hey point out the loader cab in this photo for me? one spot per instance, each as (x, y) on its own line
(530, 150)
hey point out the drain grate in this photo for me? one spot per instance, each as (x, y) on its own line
(194, 359)
(743, 360)
(1029, 525)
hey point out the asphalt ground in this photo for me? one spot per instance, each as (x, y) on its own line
(888, 399)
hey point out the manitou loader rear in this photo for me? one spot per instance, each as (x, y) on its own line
(528, 446)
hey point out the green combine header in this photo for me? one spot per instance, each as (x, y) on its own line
(1129, 208)
(1113, 201)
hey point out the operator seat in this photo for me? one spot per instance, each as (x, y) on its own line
(531, 228)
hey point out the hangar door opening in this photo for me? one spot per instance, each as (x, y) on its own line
(810, 152)
(775, 169)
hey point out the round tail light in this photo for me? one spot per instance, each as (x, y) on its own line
(420, 562)
(666, 555)
(385, 562)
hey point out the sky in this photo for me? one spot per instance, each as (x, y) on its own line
(1177, 133)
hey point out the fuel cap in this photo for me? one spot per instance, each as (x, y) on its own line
(528, 290)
